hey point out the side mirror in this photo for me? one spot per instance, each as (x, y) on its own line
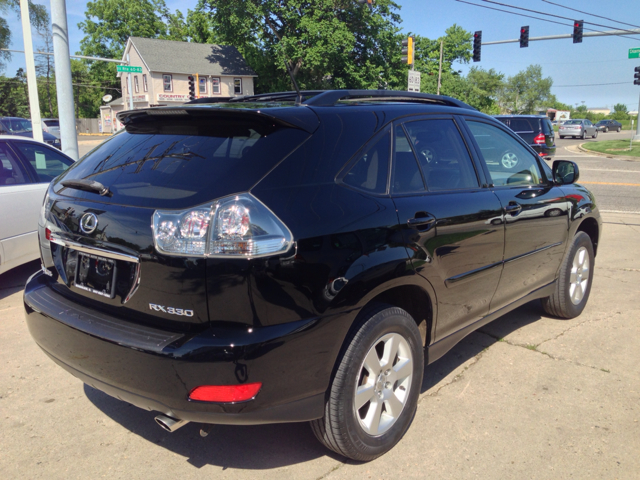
(565, 172)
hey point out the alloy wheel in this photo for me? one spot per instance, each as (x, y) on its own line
(384, 382)
(579, 279)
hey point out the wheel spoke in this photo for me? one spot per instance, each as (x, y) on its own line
(390, 351)
(394, 406)
(363, 395)
(402, 370)
(372, 363)
(373, 417)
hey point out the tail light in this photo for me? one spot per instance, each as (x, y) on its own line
(540, 139)
(239, 226)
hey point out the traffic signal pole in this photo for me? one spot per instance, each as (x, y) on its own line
(569, 35)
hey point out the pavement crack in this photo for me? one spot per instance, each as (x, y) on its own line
(336, 467)
(572, 327)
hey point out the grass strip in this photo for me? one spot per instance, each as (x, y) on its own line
(614, 147)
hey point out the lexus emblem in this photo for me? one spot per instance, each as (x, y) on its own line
(88, 222)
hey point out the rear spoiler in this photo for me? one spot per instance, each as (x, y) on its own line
(300, 118)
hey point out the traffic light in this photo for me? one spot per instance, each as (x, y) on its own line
(524, 36)
(477, 45)
(577, 31)
(192, 87)
(636, 76)
(407, 51)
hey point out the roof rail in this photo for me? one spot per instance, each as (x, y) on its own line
(327, 98)
(331, 97)
(277, 96)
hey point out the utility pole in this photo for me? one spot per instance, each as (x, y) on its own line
(440, 68)
(34, 104)
(69, 137)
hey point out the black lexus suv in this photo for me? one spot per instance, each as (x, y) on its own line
(288, 258)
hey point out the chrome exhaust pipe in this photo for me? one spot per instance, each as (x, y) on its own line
(170, 424)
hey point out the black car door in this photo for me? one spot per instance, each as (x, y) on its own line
(447, 219)
(535, 212)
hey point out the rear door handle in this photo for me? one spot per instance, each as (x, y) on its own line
(513, 208)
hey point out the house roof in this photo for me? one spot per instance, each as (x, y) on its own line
(168, 56)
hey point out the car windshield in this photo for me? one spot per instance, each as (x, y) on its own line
(17, 125)
(573, 122)
(52, 123)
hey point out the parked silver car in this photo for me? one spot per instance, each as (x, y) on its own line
(52, 126)
(578, 127)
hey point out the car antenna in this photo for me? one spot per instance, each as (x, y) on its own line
(295, 85)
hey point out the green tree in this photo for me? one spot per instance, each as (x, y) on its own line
(526, 91)
(38, 17)
(482, 87)
(325, 43)
(13, 96)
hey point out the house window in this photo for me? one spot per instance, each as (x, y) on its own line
(215, 85)
(202, 87)
(167, 82)
(136, 86)
(237, 86)
(145, 87)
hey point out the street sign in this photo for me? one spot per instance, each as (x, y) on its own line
(128, 69)
(414, 81)
(634, 52)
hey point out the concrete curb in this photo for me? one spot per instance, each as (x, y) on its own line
(608, 155)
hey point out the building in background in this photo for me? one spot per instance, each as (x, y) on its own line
(166, 65)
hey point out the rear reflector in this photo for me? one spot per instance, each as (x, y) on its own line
(47, 234)
(539, 139)
(225, 393)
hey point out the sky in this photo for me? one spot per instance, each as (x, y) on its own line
(596, 72)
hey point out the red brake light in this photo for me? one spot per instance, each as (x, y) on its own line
(47, 234)
(539, 139)
(225, 393)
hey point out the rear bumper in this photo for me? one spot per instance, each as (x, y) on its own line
(545, 150)
(156, 369)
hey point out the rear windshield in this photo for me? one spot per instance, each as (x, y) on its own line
(183, 163)
(52, 123)
(573, 122)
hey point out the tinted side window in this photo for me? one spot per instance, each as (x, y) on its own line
(47, 163)
(522, 125)
(406, 174)
(508, 162)
(371, 170)
(11, 173)
(442, 154)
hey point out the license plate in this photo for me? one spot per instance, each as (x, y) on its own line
(95, 274)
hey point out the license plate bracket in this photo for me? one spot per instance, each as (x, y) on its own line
(95, 274)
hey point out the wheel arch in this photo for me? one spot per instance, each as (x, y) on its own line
(591, 228)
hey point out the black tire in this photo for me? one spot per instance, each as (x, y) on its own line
(340, 429)
(618, 130)
(561, 136)
(595, 134)
(560, 304)
(606, 129)
(584, 135)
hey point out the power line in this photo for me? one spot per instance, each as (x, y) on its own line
(536, 18)
(591, 84)
(591, 14)
(550, 14)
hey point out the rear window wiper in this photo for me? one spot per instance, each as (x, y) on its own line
(87, 186)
